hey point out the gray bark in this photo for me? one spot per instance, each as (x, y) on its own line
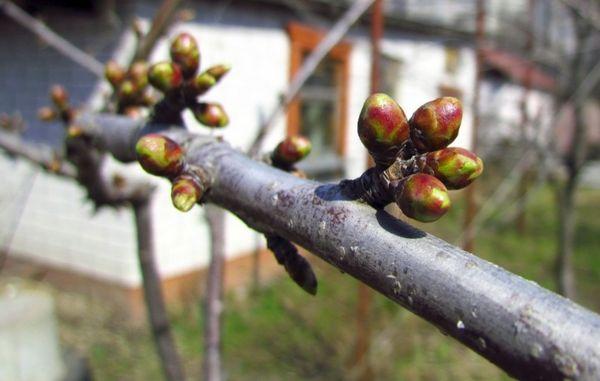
(213, 304)
(526, 330)
(157, 312)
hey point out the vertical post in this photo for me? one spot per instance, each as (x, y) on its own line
(157, 313)
(365, 294)
(471, 205)
(213, 304)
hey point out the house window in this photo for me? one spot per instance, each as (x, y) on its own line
(319, 110)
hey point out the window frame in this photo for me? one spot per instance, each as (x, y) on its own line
(303, 40)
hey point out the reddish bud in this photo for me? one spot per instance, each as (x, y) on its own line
(435, 124)
(290, 151)
(138, 73)
(59, 97)
(159, 155)
(127, 90)
(423, 197)
(184, 52)
(114, 73)
(382, 127)
(165, 76)
(210, 114)
(455, 167)
(46, 114)
(218, 71)
(74, 131)
(186, 192)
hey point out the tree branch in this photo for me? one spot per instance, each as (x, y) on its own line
(526, 330)
(48, 36)
(160, 23)
(40, 155)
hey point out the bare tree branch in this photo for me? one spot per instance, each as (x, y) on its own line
(157, 312)
(161, 22)
(40, 155)
(213, 304)
(308, 67)
(526, 330)
(51, 38)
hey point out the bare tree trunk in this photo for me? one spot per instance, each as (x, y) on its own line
(213, 305)
(157, 314)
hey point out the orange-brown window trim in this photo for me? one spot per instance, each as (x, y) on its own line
(303, 40)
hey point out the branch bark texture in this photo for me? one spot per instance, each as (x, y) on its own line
(157, 312)
(526, 330)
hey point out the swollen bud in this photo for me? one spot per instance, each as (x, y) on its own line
(127, 90)
(59, 97)
(382, 127)
(202, 83)
(210, 114)
(159, 155)
(184, 52)
(185, 192)
(165, 76)
(423, 197)
(46, 114)
(290, 151)
(138, 73)
(218, 71)
(455, 167)
(114, 73)
(435, 124)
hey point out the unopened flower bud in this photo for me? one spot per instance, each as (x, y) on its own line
(290, 151)
(185, 192)
(202, 83)
(127, 90)
(114, 73)
(435, 124)
(382, 127)
(423, 197)
(159, 155)
(165, 76)
(210, 114)
(46, 114)
(184, 52)
(59, 97)
(138, 73)
(74, 131)
(218, 71)
(455, 167)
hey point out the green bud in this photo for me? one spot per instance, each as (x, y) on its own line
(210, 114)
(218, 71)
(202, 83)
(382, 127)
(165, 76)
(185, 192)
(184, 52)
(159, 155)
(455, 167)
(114, 73)
(435, 124)
(59, 97)
(127, 90)
(423, 197)
(290, 151)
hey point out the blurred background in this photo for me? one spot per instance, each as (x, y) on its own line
(526, 71)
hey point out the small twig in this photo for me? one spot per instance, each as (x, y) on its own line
(334, 36)
(51, 38)
(161, 22)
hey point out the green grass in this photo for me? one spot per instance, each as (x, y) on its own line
(283, 333)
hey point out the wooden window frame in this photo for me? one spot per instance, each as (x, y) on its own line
(304, 39)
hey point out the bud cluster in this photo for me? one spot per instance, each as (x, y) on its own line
(178, 79)
(130, 86)
(61, 107)
(412, 155)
